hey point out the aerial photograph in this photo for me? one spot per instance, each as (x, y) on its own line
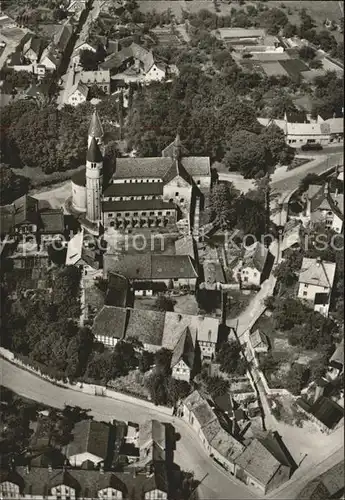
(172, 250)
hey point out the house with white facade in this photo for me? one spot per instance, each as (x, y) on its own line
(78, 94)
(90, 443)
(183, 357)
(210, 427)
(315, 283)
(298, 134)
(100, 79)
(135, 64)
(255, 266)
(79, 47)
(32, 49)
(325, 207)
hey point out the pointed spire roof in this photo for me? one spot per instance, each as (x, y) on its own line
(95, 128)
(94, 154)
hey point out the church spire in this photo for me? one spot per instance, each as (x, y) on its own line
(94, 154)
(95, 128)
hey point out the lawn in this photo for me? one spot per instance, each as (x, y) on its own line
(133, 383)
(39, 178)
(238, 301)
(282, 351)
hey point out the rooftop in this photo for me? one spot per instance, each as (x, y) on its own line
(147, 326)
(203, 327)
(184, 349)
(95, 128)
(131, 205)
(134, 189)
(256, 256)
(134, 51)
(150, 266)
(91, 437)
(316, 272)
(257, 461)
(110, 322)
(157, 167)
(100, 76)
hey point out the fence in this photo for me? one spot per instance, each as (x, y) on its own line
(94, 389)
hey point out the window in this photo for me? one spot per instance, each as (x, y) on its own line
(198, 183)
(118, 214)
(305, 293)
(168, 212)
(152, 213)
(159, 213)
(110, 215)
(125, 181)
(127, 214)
(135, 214)
(182, 200)
(255, 275)
(305, 285)
(143, 213)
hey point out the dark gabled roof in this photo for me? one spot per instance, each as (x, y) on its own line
(147, 326)
(117, 292)
(177, 170)
(52, 221)
(326, 486)
(134, 189)
(63, 36)
(256, 256)
(89, 436)
(95, 128)
(110, 322)
(327, 411)
(151, 266)
(115, 60)
(172, 266)
(24, 209)
(170, 150)
(297, 117)
(157, 167)
(184, 350)
(94, 154)
(315, 490)
(131, 205)
(38, 481)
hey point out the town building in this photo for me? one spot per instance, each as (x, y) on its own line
(315, 283)
(100, 79)
(249, 41)
(32, 49)
(255, 266)
(258, 342)
(292, 237)
(264, 464)
(212, 428)
(325, 207)
(89, 444)
(183, 357)
(79, 47)
(78, 94)
(134, 64)
(169, 186)
(152, 273)
(187, 336)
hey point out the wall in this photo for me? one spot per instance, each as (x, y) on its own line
(309, 292)
(85, 388)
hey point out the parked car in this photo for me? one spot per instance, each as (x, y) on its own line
(311, 147)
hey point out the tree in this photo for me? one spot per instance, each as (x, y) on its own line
(221, 202)
(228, 357)
(296, 378)
(156, 384)
(251, 215)
(274, 20)
(90, 60)
(145, 361)
(164, 303)
(288, 313)
(177, 390)
(162, 359)
(308, 180)
(315, 64)
(289, 30)
(12, 186)
(248, 154)
(216, 386)
(307, 53)
(274, 139)
(287, 271)
(268, 364)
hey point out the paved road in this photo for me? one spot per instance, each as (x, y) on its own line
(189, 453)
(283, 180)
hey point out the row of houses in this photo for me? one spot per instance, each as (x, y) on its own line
(189, 337)
(85, 469)
(320, 131)
(263, 464)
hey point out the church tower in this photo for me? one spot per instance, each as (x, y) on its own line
(94, 181)
(96, 131)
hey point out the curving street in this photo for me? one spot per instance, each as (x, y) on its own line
(189, 453)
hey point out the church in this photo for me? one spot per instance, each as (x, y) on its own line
(156, 192)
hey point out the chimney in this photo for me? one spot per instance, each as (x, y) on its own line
(101, 468)
(50, 468)
(179, 317)
(318, 261)
(326, 189)
(27, 469)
